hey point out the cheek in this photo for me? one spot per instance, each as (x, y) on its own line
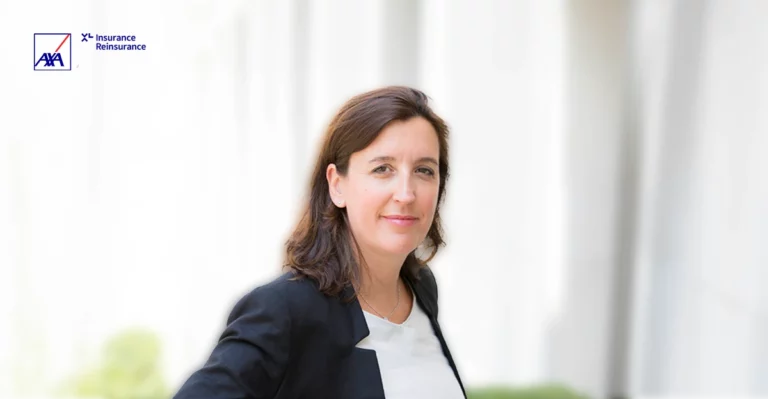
(430, 198)
(431, 212)
(367, 203)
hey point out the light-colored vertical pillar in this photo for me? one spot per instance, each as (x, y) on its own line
(494, 68)
(702, 325)
(596, 59)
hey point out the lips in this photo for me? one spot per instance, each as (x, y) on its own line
(400, 217)
(401, 220)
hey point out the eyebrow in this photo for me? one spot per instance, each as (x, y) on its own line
(387, 158)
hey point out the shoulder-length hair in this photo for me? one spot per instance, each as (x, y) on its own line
(321, 246)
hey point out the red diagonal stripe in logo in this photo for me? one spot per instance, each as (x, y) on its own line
(62, 43)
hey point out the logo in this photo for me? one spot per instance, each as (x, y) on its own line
(53, 51)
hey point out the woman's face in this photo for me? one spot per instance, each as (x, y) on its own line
(391, 188)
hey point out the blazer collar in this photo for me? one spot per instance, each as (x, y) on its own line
(425, 293)
(423, 298)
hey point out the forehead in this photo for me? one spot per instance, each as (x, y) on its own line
(414, 137)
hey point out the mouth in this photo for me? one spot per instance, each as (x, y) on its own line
(400, 217)
(401, 220)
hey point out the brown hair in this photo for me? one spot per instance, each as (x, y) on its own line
(321, 246)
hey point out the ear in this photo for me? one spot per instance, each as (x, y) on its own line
(334, 185)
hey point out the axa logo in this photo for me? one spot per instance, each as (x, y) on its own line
(53, 51)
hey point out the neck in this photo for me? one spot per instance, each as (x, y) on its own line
(380, 278)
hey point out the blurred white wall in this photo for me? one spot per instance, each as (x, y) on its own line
(501, 86)
(594, 136)
(603, 218)
(702, 263)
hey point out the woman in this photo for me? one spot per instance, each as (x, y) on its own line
(355, 315)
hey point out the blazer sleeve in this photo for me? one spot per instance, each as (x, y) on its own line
(251, 355)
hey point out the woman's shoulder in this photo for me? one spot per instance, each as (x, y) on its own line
(300, 298)
(285, 296)
(302, 287)
(285, 287)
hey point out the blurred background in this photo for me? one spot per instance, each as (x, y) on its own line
(606, 219)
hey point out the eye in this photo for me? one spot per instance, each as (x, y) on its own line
(381, 169)
(427, 171)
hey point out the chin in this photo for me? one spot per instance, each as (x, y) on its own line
(399, 247)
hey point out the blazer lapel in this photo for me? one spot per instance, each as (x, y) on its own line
(359, 326)
(428, 301)
(366, 360)
(360, 377)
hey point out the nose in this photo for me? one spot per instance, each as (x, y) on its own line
(405, 191)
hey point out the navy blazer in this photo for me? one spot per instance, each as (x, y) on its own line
(286, 339)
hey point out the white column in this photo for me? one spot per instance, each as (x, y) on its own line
(595, 133)
(494, 68)
(703, 321)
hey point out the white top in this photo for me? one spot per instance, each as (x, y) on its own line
(411, 361)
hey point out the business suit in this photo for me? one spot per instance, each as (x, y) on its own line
(288, 340)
